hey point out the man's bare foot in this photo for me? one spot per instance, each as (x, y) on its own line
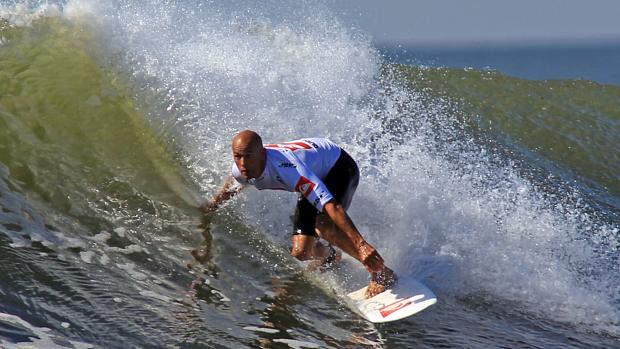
(380, 282)
(334, 257)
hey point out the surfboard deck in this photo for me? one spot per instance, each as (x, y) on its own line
(407, 297)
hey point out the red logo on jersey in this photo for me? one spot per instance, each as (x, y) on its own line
(399, 304)
(290, 145)
(304, 186)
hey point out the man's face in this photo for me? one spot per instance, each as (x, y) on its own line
(248, 158)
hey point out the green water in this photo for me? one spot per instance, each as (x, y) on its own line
(77, 159)
(573, 123)
(68, 133)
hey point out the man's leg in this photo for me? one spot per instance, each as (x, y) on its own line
(342, 180)
(307, 247)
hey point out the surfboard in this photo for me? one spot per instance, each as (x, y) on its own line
(407, 297)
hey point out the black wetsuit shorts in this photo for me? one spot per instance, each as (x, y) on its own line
(341, 181)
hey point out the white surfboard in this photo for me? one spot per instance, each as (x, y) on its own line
(404, 299)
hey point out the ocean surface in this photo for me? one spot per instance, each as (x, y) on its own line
(594, 61)
(499, 190)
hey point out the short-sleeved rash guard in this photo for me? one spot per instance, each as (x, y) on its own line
(299, 166)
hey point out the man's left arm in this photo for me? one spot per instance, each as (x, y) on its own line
(226, 193)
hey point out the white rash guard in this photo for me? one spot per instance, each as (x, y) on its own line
(299, 166)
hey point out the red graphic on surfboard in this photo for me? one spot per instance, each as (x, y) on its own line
(390, 308)
(304, 186)
(405, 298)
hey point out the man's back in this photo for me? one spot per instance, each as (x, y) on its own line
(318, 154)
(297, 166)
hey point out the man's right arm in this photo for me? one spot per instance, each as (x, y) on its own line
(228, 191)
(365, 252)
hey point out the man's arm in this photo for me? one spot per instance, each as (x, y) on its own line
(366, 253)
(227, 192)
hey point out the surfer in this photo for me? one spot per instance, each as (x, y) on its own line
(326, 178)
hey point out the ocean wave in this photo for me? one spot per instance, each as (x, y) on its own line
(113, 128)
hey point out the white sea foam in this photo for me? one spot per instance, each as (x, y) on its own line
(120, 231)
(261, 329)
(42, 337)
(155, 295)
(130, 268)
(87, 256)
(104, 259)
(102, 237)
(127, 250)
(20, 15)
(296, 344)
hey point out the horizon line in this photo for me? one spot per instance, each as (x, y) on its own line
(496, 43)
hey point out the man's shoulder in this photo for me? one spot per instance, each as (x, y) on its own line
(319, 140)
(281, 158)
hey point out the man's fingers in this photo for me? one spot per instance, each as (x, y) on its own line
(376, 258)
(208, 207)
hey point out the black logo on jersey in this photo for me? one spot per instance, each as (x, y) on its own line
(284, 164)
(312, 143)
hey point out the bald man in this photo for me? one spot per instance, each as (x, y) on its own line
(325, 177)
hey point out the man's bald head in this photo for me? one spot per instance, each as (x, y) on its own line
(249, 154)
(247, 138)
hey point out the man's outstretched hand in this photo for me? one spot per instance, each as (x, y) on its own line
(208, 207)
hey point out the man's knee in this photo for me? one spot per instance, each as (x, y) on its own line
(300, 254)
(302, 247)
(322, 220)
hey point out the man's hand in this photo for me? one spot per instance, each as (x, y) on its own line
(208, 207)
(227, 192)
(370, 258)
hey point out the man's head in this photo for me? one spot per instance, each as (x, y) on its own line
(249, 154)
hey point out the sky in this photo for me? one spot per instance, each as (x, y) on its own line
(454, 22)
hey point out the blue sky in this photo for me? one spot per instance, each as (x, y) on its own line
(441, 22)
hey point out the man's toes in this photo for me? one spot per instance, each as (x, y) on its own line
(373, 289)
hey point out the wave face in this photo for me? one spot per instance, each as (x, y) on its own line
(574, 124)
(116, 118)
